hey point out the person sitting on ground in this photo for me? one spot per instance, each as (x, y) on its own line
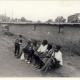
(18, 42)
(42, 49)
(55, 60)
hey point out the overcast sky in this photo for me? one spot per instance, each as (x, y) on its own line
(39, 10)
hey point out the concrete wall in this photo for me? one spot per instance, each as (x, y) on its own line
(47, 31)
(4, 27)
(72, 33)
(42, 31)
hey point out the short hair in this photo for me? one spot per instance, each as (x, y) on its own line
(49, 46)
(29, 42)
(58, 47)
(34, 42)
(45, 42)
(20, 35)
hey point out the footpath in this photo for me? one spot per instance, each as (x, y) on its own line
(12, 67)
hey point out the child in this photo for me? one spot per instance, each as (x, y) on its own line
(57, 57)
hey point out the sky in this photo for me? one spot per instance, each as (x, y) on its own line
(39, 9)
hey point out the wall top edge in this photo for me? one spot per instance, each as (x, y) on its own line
(40, 23)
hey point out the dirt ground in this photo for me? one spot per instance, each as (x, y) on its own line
(12, 67)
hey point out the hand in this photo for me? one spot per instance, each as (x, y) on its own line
(20, 43)
(53, 54)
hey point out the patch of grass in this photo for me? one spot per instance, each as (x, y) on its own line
(9, 34)
(72, 47)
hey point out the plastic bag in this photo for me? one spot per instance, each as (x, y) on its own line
(22, 56)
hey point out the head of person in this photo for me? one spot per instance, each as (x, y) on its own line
(38, 45)
(35, 43)
(20, 36)
(57, 48)
(49, 46)
(29, 42)
(45, 42)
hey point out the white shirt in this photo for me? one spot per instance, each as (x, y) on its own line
(58, 56)
(42, 48)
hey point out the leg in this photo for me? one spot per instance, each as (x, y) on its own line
(25, 53)
(56, 64)
(46, 69)
(15, 49)
(46, 64)
(40, 64)
(28, 56)
(18, 49)
(20, 54)
(35, 58)
(23, 50)
(32, 55)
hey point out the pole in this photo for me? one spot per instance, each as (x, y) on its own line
(12, 13)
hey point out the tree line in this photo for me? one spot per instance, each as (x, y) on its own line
(75, 18)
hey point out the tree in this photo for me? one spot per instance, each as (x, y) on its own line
(3, 18)
(16, 19)
(12, 20)
(23, 19)
(30, 21)
(38, 21)
(49, 21)
(74, 18)
(60, 19)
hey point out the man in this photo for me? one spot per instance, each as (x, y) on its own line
(18, 42)
(42, 49)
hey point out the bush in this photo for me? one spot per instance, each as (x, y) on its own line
(72, 47)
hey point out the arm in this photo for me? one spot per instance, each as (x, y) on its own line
(16, 40)
(45, 48)
(59, 56)
(39, 50)
(52, 56)
(20, 42)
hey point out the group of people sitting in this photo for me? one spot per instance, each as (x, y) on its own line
(43, 55)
